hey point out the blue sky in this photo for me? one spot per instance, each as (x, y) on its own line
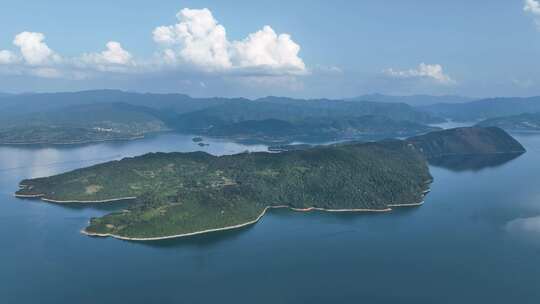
(334, 49)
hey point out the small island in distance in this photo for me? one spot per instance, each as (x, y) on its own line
(180, 194)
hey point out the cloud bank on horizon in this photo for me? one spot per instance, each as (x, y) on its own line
(194, 52)
(196, 42)
(425, 71)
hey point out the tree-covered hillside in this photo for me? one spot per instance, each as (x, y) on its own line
(106, 115)
(79, 124)
(318, 130)
(466, 141)
(297, 110)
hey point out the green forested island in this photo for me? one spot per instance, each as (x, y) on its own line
(175, 194)
(183, 193)
(466, 141)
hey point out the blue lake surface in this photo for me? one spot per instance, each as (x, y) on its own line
(475, 240)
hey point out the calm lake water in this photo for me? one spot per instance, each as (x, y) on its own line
(475, 240)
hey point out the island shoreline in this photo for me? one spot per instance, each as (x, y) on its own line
(248, 223)
(41, 197)
(74, 143)
(252, 222)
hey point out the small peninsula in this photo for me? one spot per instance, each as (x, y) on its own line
(179, 194)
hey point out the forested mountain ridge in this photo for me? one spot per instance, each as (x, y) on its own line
(180, 103)
(521, 122)
(40, 102)
(80, 124)
(108, 114)
(485, 108)
(297, 110)
(413, 100)
(315, 129)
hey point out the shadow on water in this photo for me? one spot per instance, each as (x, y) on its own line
(208, 240)
(475, 163)
(336, 217)
(205, 240)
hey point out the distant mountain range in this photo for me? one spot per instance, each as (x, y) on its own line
(39, 102)
(80, 124)
(235, 108)
(33, 118)
(88, 116)
(485, 108)
(413, 100)
(521, 122)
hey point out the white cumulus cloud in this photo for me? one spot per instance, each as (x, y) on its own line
(533, 7)
(7, 57)
(427, 71)
(115, 54)
(34, 50)
(195, 43)
(267, 49)
(199, 39)
(114, 57)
